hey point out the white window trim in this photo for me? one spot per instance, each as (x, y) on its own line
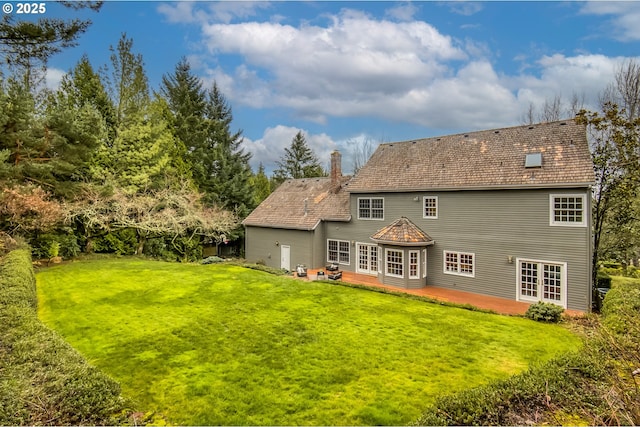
(555, 223)
(386, 263)
(424, 263)
(370, 198)
(338, 261)
(369, 246)
(424, 198)
(417, 275)
(458, 273)
(563, 281)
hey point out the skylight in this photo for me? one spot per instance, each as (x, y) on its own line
(533, 160)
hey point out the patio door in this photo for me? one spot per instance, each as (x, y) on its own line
(542, 281)
(367, 258)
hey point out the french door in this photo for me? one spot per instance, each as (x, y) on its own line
(367, 258)
(542, 281)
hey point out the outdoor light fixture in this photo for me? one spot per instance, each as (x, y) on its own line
(510, 259)
(277, 243)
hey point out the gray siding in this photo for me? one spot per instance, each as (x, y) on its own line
(494, 225)
(261, 245)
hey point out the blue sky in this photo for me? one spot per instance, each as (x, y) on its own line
(344, 72)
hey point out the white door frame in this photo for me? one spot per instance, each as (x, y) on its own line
(542, 281)
(370, 251)
(285, 257)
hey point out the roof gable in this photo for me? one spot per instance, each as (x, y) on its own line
(484, 159)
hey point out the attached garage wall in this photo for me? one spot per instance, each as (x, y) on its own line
(261, 245)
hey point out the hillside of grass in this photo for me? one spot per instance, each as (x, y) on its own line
(222, 344)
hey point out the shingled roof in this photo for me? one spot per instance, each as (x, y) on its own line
(301, 204)
(485, 159)
(402, 232)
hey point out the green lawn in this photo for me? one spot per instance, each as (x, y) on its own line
(221, 344)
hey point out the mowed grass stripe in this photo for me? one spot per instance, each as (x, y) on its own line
(221, 344)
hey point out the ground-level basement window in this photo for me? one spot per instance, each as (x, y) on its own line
(459, 263)
(338, 251)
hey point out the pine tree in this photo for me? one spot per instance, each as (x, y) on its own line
(186, 103)
(129, 84)
(139, 155)
(298, 161)
(52, 148)
(202, 121)
(83, 86)
(226, 180)
(261, 185)
(25, 44)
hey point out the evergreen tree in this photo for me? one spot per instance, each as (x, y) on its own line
(202, 121)
(261, 185)
(24, 44)
(53, 148)
(298, 161)
(186, 103)
(129, 84)
(227, 178)
(83, 86)
(139, 155)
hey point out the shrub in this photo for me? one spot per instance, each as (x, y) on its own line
(211, 260)
(120, 242)
(544, 312)
(44, 380)
(594, 386)
(603, 280)
(66, 241)
(566, 380)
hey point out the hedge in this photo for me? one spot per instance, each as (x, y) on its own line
(592, 386)
(44, 381)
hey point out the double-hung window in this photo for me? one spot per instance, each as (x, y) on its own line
(338, 251)
(568, 210)
(414, 264)
(430, 207)
(395, 263)
(371, 208)
(459, 263)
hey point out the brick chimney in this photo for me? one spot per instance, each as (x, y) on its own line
(336, 171)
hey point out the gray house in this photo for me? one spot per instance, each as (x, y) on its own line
(503, 212)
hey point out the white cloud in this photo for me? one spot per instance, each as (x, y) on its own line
(463, 7)
(339, 69)
(270, 148)
(402, 12)
(625, 16)
(187, 12)
(404, 72)
(559, 75)
(53, 77)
